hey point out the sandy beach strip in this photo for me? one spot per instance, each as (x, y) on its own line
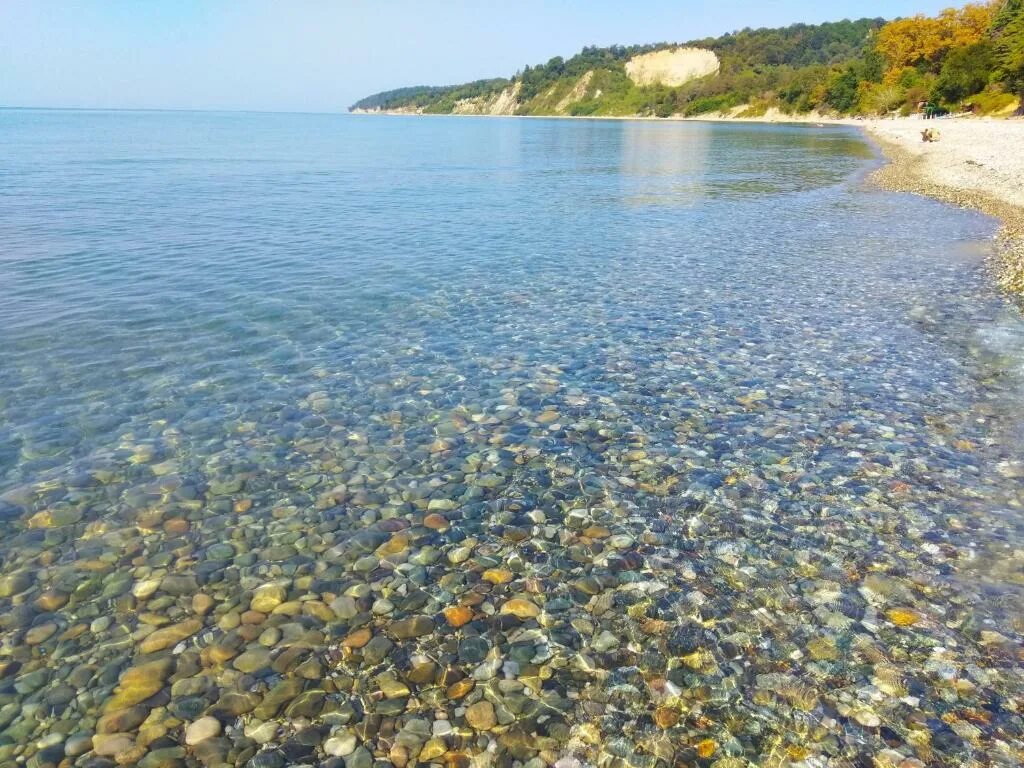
(975, 163)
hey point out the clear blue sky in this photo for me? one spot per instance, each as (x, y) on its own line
(321, 55)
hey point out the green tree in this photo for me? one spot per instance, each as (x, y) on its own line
(841, 93)
(1007, 33)
(965, 72)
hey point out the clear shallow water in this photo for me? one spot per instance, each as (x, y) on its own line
(461, 440)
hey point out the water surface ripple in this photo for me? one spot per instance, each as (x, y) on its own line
(330, 440)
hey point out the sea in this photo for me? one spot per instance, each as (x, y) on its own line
(360, 441)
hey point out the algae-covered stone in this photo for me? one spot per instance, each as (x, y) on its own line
(139, 683)
(167, 637)
(14, 583)
(122, 720)
(405, 629)
(391, 687)
(278, 697)
(377, 649)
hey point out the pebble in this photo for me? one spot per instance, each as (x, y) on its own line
(40, 633)
(520, 608)
(903, 617)
(50, 600)
(340, 745)
(77, 744)
(268, 597)
(458, 615)
(145, 588)
(111, 744)
(202, 729)
(167, 637)
(359, 758)
(417, 626)
(138, 683)
(202, 604)
(481, 716)
(252, 660)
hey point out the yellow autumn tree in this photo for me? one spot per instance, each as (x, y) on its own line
(970, 24)
(908, 42)
(924, 40)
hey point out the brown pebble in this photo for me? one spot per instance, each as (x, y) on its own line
(666, 717)
(435, 521)
(130, 756)
(399, 756)
(457, 615)
(497, 576)
(461, 688)
(74, 632)
(201, 603)
(218, 654)
(176, 527)
(357, 638)
(520, 608)
(249, 632)
(481, 716)
(51, 600)
(47, 558)
(150, 519)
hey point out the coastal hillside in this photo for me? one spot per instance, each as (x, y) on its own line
(972, 57)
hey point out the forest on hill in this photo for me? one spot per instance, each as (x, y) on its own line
(972, 55)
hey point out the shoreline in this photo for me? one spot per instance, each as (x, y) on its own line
(770, 119)
(950, 172)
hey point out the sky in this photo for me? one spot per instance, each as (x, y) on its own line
(322, 55)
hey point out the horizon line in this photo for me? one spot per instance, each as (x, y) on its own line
(345, 111)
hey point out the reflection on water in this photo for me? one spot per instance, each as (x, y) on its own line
(677, 165)
(331, 441)
(664, 165)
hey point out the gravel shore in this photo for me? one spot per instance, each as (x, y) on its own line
(976, 164)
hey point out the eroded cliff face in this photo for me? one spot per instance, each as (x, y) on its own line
(672, 67)
(505, 103)
(578, 93)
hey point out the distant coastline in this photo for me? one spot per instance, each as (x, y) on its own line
(772, 116)
(968, 59)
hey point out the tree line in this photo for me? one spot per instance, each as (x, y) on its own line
(972, 55)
